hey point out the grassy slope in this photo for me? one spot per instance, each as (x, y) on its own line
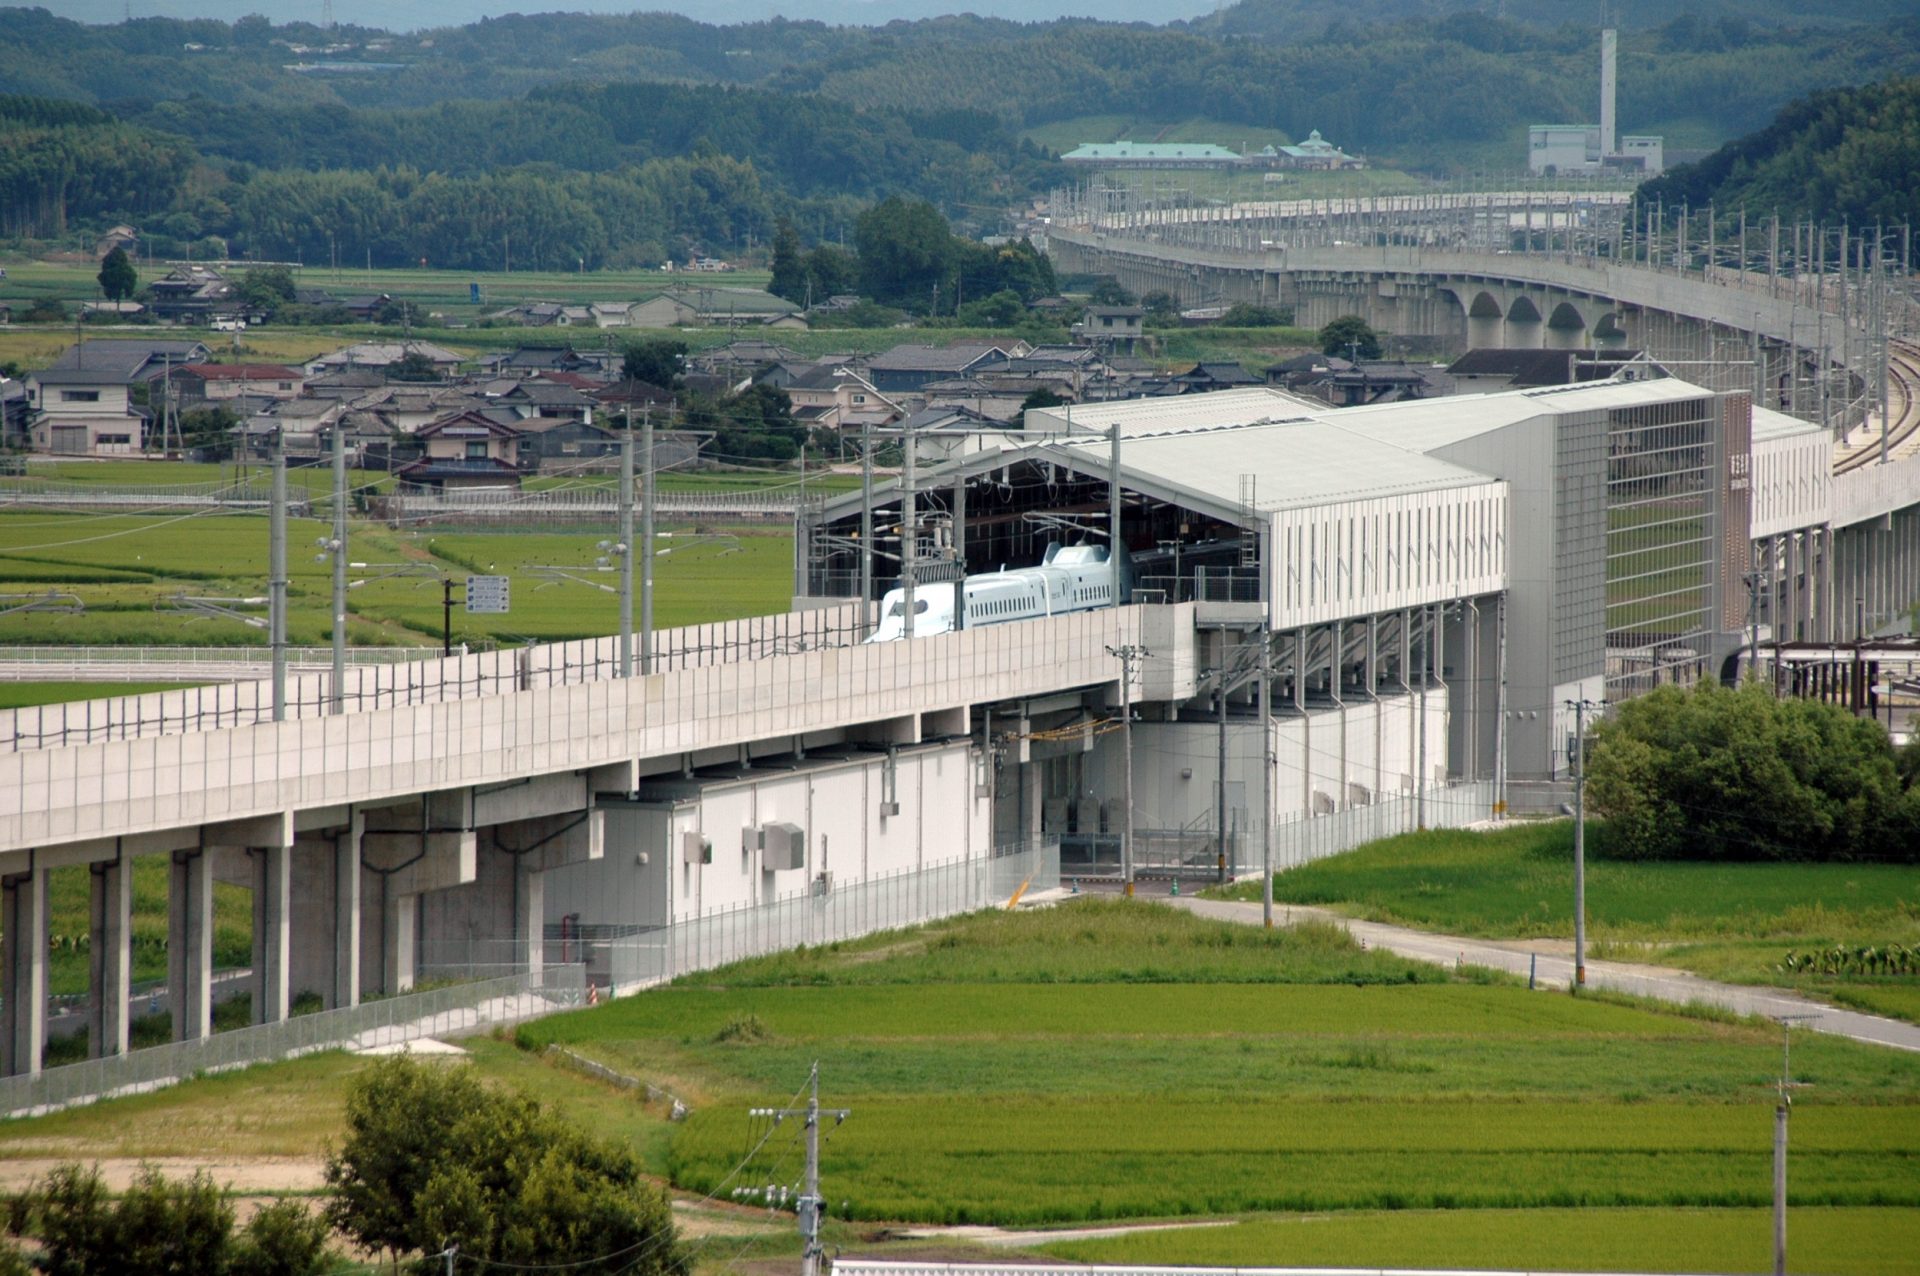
(1727, 921)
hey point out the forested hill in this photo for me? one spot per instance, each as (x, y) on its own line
(1849, 155)
(603, 139)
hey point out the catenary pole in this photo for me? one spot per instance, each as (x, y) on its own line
(625, 548)
(647, 488)
(339, 548)
(277, 576)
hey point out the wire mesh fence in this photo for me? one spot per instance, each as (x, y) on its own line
(370, 687)
(823, 916)
(459, 1008)
(499, 988)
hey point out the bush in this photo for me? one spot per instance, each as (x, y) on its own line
(282, 1239)
(1718, 774)
(432, 1158)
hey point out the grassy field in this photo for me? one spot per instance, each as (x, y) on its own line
(123, 567)
(1102, 1061)
(1726, 921)
(22, 695)
(1096, 1062)
(67, 925)
(1866, 1242)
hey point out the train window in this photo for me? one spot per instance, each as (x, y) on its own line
(900, 609)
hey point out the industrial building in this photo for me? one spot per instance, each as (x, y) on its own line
(1433, 583)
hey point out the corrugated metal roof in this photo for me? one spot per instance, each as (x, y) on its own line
(1435, 423)
(1769, 424)
(1138, 416)
(1297, 462)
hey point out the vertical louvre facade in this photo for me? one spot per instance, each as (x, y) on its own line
(1663, 489)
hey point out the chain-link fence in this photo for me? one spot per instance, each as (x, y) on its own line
(822, 916)
(461, 1008)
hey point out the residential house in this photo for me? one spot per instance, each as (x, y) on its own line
(347, 383)
(530, 361)
(949, 433)
(997, 397)
(547, 442)
(194, 293)
(1353, 384)
(538, 397)
(118, 237)
(548, 314)
(707, 307)
(466, 450)
(220, 381)
(1488, 370)
(906, 368)
(83, 405)
(382, 355)
(1111, 328)
(301, 424)
(840, 398)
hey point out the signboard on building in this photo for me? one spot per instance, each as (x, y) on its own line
(487, 595)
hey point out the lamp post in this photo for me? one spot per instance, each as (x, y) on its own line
(1580, 708)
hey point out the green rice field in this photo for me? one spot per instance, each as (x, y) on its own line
(128, 569)
(1107, 1060)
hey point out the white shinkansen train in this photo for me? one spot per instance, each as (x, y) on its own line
(1069, 578)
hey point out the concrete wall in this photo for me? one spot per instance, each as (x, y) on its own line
(1325, 760)
(838, 805)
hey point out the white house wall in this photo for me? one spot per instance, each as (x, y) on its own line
(1356, 558)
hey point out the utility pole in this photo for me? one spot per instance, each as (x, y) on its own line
(866, 515)
(1127, 655)
(646, 539)
(1580, 708)
(1780, 1108)
(1266, 778)
(625, 548)
(339, 548)
(277, 576)
(811, 1207)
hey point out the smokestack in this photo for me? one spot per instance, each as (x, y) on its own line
(1609, 55)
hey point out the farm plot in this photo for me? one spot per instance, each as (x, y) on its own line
(1108, 1061)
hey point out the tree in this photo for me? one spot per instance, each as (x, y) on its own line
(209, 428)
(267, 287)
(655, 362)
(432, 1158)
(414, 365)
(833, 272)
(1350, 336)
(118, 279)
(160, 1227)
(1242, 314)
(1108, 291)
(789, 271)
(1722, 774)
(906, 251)
(1043, 397)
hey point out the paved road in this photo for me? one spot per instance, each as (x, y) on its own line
(1556, 971)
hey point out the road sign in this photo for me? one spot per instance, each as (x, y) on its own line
(487, 595)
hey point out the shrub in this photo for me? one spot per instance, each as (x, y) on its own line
(1720, 774)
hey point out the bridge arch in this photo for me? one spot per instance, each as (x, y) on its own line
(1566, 327)
(1486, 322)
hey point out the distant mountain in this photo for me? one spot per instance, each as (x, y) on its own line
(1293, 20)
(420, 15)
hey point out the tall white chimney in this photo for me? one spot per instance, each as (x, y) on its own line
(1609, 54)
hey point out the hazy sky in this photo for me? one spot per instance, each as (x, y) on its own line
(407, 15)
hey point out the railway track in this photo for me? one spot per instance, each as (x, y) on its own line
(1903, 394)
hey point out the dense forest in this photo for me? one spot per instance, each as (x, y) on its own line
(569, 139)
(1849, 155)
